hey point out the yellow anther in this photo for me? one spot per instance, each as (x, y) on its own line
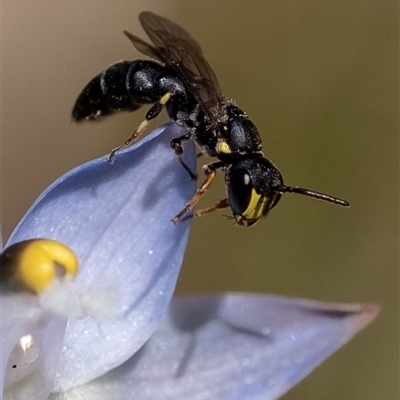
(35, 264)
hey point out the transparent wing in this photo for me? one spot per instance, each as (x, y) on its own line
(145, 47)
(182, 53)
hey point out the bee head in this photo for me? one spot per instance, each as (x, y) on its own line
(255, 186)
(251, 190)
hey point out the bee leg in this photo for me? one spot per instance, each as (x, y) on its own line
(224, 203)
(154, 112)
(210, 171)
(176, 145)
(136, 134)
(193, 117)
(184, 121)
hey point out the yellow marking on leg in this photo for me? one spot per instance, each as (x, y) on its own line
(139, 130)
(165, 98)
(135, 135)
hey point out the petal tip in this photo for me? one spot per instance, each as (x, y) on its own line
(370, 311)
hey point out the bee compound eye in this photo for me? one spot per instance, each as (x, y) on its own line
(240, 191)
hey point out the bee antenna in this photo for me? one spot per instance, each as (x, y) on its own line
(312, 193)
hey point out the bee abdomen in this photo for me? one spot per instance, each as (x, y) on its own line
(124, 86)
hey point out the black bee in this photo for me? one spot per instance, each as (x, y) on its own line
(182, 81)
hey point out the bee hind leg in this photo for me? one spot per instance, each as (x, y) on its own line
(153, 113)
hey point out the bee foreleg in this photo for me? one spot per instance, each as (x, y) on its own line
(210, 171)
(224, 203)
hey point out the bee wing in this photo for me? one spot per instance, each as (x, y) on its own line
(145, 47)
(182, 53)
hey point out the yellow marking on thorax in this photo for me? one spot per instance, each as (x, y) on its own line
(223, 147)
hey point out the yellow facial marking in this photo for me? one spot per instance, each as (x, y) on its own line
(259, 205)
(34, 264)
(223, 147)
(256, 206)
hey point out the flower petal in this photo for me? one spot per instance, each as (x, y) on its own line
(117, 219)
(28, 370)
(231, 347)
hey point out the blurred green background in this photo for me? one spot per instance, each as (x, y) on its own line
(320, 80)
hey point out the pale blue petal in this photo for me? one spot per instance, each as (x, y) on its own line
(23, 376)
(231, 347)
(117, 219)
